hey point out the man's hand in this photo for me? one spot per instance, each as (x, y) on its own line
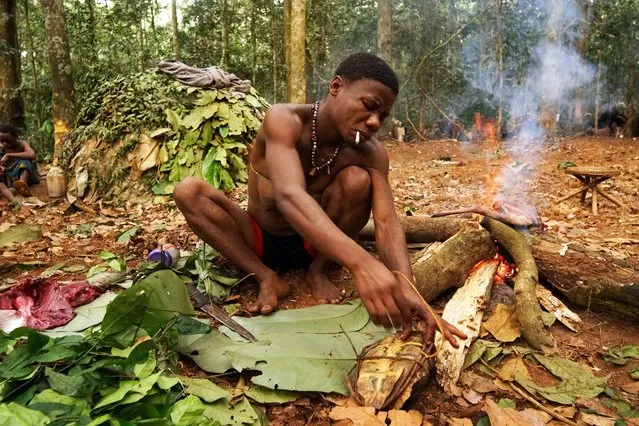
(391, 302)
(430, 318)
(5, 158)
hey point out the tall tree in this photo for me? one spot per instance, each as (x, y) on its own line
(175, 30)
(11, 106)
(297, 72)
(35, 83)
(500, 66)
(63, 99)
(287, 46)
(384, 12)
(226, 23)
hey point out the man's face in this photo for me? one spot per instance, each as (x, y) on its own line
(8, 140)
(361, 105)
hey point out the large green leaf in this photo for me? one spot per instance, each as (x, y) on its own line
(576, 381)
(20, 234)
(149, 304)
(188, 411)
(302, 350)
(12, 414)
(68, 385)
(316, 319)
(204, 388)
(270, 396)
(239, 414)
(129, 387)
(55, 404)
(18, 363)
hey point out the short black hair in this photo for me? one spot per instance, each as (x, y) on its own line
(366, 65)
(9, 128)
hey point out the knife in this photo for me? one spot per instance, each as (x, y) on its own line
(201, 301)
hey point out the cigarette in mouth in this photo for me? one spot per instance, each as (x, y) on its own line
(357, 138)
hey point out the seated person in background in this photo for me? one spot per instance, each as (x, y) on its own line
(17, 167)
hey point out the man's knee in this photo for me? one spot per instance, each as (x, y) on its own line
(355, 183)
(188, 193)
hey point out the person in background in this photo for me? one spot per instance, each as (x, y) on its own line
(17, 164)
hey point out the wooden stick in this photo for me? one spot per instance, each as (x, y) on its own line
(531, 399)
(541, 406)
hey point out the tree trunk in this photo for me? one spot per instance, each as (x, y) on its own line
(253, 42)
(91, 27)
(597, 93)
(297, 74)
(500, 57)
(287, 46)
(384, 11)
(588, 278)
(63, 103)
(226, 22)
(175, 30)
(274, 52)
(448, 264)
(11, 105)
(32, 64)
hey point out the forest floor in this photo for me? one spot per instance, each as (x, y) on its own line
(426, 177)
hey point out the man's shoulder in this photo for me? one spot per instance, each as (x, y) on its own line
(285, 121)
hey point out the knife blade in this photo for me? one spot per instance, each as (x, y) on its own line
(201, 301)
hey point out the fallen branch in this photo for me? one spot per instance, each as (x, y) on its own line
(526, 303)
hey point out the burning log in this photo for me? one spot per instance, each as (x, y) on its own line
(447, 265)
(586, 277)
(526, 303)
(502, 211)
(465, 311)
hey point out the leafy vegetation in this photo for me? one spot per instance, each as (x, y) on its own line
(122, 372)
(145, 120)
(210, 140)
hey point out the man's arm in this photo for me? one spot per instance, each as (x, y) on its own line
(389, 234)
(282, 130)
(375, 284)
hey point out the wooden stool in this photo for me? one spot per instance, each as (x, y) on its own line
(591, 177)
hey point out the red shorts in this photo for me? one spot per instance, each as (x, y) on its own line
(282, 253)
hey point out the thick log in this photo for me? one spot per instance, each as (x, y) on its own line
(448, 264)
(527, 278)
(420, 229)
(595, 280)
(586, 277)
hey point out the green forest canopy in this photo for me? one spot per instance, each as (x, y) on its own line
(446, 53)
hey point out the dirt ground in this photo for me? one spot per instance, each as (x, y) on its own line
(427, 177)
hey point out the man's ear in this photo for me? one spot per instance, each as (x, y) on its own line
(336, 85)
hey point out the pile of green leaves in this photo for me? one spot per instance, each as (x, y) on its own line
(122, 106)
(211, 140)
(212, 278)
(121, 373)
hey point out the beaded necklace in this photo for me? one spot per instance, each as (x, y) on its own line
(326, 164)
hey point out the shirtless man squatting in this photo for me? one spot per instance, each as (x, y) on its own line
(316, 173)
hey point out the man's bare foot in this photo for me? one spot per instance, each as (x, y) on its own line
(324, 291)
(272, 289)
